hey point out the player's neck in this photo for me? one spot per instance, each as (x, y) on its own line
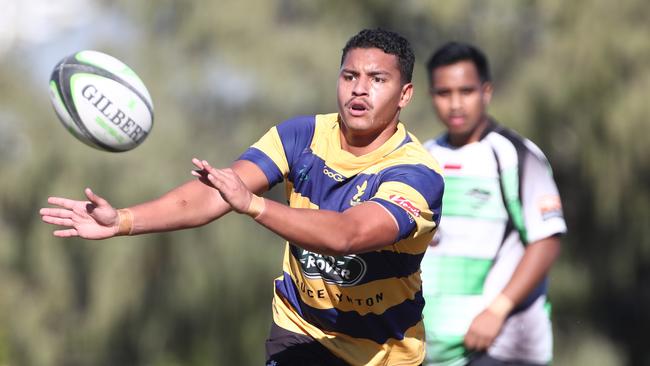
(359, 144)
(474, 135)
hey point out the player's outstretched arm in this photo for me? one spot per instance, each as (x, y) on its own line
(362, 228)
(189, 205)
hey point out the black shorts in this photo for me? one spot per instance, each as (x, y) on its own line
(285, 348)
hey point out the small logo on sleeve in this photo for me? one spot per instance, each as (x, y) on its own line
(405, 204)
(550, 206)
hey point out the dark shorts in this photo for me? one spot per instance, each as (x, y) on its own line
(285, 348)
(483, 359)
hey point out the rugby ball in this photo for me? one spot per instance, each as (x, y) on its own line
(101, 101)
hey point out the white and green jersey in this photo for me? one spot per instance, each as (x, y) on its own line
(499, 196)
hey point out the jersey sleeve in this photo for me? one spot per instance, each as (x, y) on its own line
(541, 202)
(275, 152)
(413, 195)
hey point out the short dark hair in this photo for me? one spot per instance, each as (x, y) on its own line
(390, 42)
(453, 52)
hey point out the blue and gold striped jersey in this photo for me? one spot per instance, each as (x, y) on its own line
(365, 308)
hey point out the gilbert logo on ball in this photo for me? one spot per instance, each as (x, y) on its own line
(101, 101)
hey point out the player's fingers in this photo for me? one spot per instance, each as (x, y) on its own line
(197, 163)
(225, 173)
(56, 212)
(97, 200)
(470, 342)
(62, 202)
(483, 344)
(218, 174)
(227, 176)
(67, 233)
(209, 168)
(225, 180)
(204, 168)
(49, 211)
(216, 181)
(57, 221)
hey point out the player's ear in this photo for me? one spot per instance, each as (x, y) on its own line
(406, 95)
(486, 91)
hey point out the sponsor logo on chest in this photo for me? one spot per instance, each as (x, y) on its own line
(337, 177)
(345, 270)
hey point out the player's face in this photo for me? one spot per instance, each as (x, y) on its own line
(370, 91)
(460, 99)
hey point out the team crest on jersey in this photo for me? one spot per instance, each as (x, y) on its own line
(345, 270)
(480, 196)
(361, 189)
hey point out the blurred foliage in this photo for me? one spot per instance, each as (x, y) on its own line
(572, 76)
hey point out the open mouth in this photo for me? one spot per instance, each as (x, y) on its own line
(357, 108)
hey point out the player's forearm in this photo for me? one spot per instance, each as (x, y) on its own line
(321, 231)
(189, 205)
(533, 267)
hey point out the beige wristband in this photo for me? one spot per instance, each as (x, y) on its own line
(256, 207)
(501, 306)
(124, 221)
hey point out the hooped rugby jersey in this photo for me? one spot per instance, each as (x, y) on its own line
(365, 308)
(499, 197)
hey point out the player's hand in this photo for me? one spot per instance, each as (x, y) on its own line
(483, 330)
(227, 182)
(92, 219)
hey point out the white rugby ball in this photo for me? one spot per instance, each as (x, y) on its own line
(101, 101)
